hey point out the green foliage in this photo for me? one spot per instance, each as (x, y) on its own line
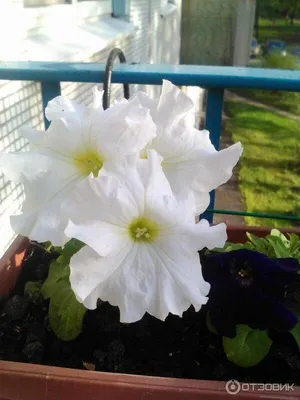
(70, 248)
(291, 7)
(274, 245)
(271, 8)
(276, 61)
(65, 312)
(291, 99)
(296, 333)
(248, 348)
(32, 290)
(278, 28)
(59, 271)
(209, 324)
(286, 101)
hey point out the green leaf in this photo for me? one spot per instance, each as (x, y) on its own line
(209, 324)
(259, 243)
(296, 333)
(233, 246)
(277, 233)
(32, 290)
(70, 248)
(65, 312)
(294, 245)
(59, 270)
(279, 248)
(248, 348)
(274, 245)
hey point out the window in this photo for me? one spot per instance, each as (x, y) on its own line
(120, 8)
(39, 14)
(39, 3)
(167, 7)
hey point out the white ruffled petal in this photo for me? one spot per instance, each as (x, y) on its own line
(44, 173)
(126, 287)
(47, 182)
(34, 136)
(149, 279)
(109, 200)
(157, 187)
(68, 137)
(203, 235)
(202, 171)
(170, 108)
(62, 107)
(216, 166)
(173, 144)
(173, 105)
(180, 277)
(89, 271)
(106, 239)
(202, 200)
(123, 129)
(97, 99)
(160, 202)
(20, 166)
(45, 224)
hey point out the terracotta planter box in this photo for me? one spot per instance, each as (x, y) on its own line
(20, 381)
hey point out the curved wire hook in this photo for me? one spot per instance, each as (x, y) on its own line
(108, 73)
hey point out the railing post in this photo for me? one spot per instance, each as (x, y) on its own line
(49, 91)
(213, 123)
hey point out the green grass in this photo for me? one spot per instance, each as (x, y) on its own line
(286, 101)
(278, 28)
(269, 172)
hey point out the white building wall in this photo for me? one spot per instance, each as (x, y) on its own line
(154, 39)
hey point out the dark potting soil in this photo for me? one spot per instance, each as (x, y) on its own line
(178, 347)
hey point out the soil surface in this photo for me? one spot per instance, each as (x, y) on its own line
(178, 347)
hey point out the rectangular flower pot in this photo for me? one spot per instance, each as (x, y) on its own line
(19, 381)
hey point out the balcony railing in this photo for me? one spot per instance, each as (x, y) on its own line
(214, 79)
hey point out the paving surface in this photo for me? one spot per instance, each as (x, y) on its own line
(228, 196)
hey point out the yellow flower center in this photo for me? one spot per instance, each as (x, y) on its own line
(88, 161)
(143, 154)
(143, 230)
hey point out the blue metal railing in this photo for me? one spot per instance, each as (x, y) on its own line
(215, 79)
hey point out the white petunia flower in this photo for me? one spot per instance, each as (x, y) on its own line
(79, 141)
(190, 161)
(142, 243)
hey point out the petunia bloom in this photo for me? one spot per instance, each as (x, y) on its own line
(79, 141)
(250, 288)
(190, 161)
(142, 243)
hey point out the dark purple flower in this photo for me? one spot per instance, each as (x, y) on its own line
(250, 288)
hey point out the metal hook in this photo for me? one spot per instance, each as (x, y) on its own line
(108, 73)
